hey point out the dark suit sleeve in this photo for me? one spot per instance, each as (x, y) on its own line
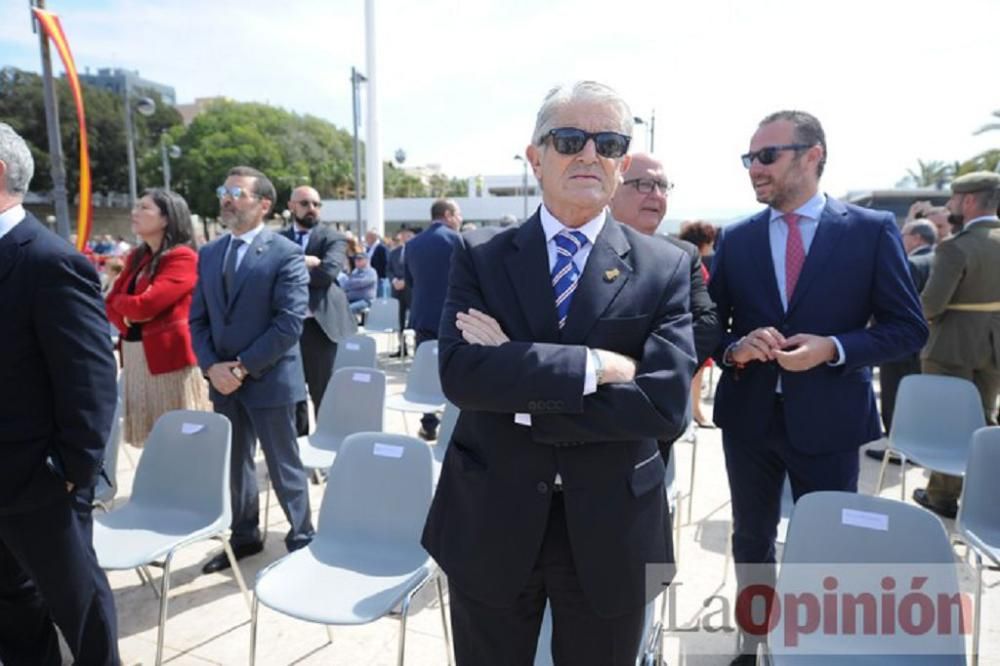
(333, 260)
(199, 322)
(289, 303)
(379, 258)
(655, 402)
(719, 294)
(73, 332)
(899, 329)
(707, 332)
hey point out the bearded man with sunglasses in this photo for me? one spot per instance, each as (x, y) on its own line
(796, 287)
(566, 342)
(246, 320)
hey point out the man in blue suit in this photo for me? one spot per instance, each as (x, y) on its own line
(57, 400)
(796, 287)
(246, 320)
(428, 258)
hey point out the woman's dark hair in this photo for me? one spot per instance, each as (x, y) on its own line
(699, 233)
(177, 232)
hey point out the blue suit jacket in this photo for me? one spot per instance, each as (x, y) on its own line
(261, 322)
(57, 370)
(428, 257)
(855, 285)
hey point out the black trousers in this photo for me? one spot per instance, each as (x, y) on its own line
(49, 574)
(486, 636)
(429, 422)
(403, 296)
(890, 375)
(318, 355)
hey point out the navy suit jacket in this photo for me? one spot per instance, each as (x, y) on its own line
(57, 369)
(260, 323)
(855, 273)
(490, 510)
(327, 300)
(428, 256)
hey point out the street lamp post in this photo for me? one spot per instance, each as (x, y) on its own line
(650, 128)
(357, 78)
(524, 184)
(146, 107)
(167, 153)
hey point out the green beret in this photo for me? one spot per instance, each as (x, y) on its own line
(977, 181)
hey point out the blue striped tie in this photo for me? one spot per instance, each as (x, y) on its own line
(565, 273)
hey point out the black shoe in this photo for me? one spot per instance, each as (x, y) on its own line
(947, 510)
(220, 562)
(426, 435)
(744, 660)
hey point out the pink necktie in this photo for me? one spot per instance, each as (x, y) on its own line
(795, 254)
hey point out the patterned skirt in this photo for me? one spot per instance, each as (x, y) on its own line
(149, 396)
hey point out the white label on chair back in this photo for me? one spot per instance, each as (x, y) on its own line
(866, 519)
(363, 377)
(388, 450)
(191, 428)
(353, 346)
(435, 351)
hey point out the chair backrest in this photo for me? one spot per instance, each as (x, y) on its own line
(356, 351)
(935, 409)
(107, 488)
(423, 381)
(379, 491)
(185, 464)
(981, 492)
(354, 401)
(383, 316)
(447, 428)
(836, 530)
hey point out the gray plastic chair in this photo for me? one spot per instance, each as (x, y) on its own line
(382, 317)
(932, 425)
(180, 496)
(107, 482)
(886, 536)
(354, 402)
(423, 384)
(366, 558)
(445, 430)
(978, 517)
(356, 351)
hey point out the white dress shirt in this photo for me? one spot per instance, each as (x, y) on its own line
(10, 218)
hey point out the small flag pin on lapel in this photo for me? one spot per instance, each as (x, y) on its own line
(611, 275)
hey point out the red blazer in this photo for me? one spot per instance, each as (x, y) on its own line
(161, 305)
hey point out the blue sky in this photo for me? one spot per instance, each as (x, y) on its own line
(460, 81)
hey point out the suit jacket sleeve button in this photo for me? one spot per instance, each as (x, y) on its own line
(542, 487)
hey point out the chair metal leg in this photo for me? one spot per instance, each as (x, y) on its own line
(234, 565)
(164, 594)
(404, 611)
(902, 476)
(253, 630)
(267, 507)
(977, 610)
(677, 527)
(694, 457)
(329, 634)
(444, 619)
(881, 471)
(147, 578)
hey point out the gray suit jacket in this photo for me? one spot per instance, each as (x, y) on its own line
(261, 321)
(327, 300)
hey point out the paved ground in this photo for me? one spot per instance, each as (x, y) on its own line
(209, 622)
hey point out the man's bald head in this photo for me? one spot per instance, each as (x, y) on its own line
(641, 202)
(304, 205)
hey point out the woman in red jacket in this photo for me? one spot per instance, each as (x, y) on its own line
(149, 305)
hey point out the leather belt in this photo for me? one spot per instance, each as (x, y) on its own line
(975, 307)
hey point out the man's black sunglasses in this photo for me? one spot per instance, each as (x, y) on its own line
(769, 155)
(570, 141)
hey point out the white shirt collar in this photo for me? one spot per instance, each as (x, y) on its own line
(251, 235)
(551, 226)
(981, 218)
(10, 218)
(811, 209)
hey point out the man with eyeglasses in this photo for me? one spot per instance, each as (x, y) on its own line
(566, 343)
(328, 319)
(246, 321)
(796, 287)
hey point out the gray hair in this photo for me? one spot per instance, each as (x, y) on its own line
(922, 229)
(581, 91)
(15, 154)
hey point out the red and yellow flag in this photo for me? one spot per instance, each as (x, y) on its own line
(53, 30)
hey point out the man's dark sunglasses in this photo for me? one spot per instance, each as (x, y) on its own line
(570, 141)
(769, 155)
(309, 202)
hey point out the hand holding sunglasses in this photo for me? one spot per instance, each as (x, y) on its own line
(769, 154)
(570, 141)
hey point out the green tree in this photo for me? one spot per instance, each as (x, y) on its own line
(399, 184)
(932, 173)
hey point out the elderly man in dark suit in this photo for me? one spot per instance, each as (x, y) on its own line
(796, 286)
(396, 272)
(328, 320)
(428, 257)
(566, 342)
(57, 400)
(246, 321)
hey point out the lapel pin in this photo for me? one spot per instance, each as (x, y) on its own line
(611, 275)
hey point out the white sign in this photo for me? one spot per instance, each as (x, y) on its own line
(866, 519)
(388, 450)
(363, 377)
(353, 346)
(191, 428)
